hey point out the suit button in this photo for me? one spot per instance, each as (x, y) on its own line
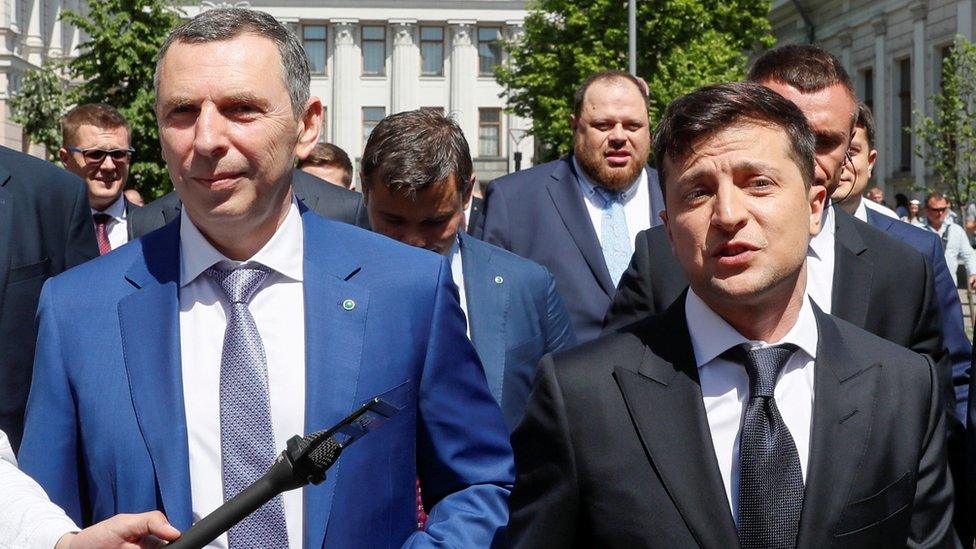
(348, 304)
(499, 279)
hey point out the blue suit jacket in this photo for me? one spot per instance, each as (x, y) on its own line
(950, 309)
(516, 316)
(539, 214)
(106, 426)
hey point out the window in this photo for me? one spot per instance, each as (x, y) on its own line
(489, 50)
(374, 50)
(432, 51)
(867, 76)
(904, 113)
(314, 40)
(489, 132)
(371, 117)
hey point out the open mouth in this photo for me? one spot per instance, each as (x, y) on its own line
(735, 253)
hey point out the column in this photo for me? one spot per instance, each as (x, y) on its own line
(56, 49)
(464, 75)
(964, 18)
(34, 43)
(344, 110)
(406, 65)
(880, 112)
(845, 53)
(918, 84)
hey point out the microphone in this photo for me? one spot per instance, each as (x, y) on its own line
(304, 461)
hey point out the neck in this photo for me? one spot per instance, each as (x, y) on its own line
(850, 204)
(937, 225)
(101, 204)
(242, 243)
(771, 315)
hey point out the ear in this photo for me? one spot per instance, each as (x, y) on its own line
(573, 122)
(309, 127)
(63, 155)
(817, 196)
(872, 158)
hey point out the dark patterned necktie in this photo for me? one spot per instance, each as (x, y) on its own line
(247, 445)
(101, 232)
(770, 478)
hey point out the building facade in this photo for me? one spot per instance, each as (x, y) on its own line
(369, 59)
(893, 50)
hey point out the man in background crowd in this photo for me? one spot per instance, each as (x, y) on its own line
(95, 146)
(954, 240)
(578, 216)
(329, 163)
(876, 195)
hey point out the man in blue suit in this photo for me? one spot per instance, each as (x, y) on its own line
(579, 216)
(416, 178)
(853, 181)
(170, 373)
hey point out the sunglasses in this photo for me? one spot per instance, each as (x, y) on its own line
(97, 155)
(937, 210)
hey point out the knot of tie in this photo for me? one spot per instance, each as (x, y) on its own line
(610, 197)
(241, 283)
(101, 218)
(762, 365)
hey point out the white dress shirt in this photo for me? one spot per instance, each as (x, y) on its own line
(820, 262)
(725, 385)
(278, 308)
(117, 227)
(955, 245)
(457, 273)
(636, 200)
(872, 205)
(28, 519)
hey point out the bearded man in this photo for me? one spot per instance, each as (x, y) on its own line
(578, 216)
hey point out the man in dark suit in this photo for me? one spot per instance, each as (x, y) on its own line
(474, 214)
(743, 415)
(45, 228)
(416, 177)
(173, 371)
(578, 216)
(95, 146)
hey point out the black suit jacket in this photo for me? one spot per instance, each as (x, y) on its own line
(322, 197)
(614, 449)
(45, 227)
(880, 284)
(475, 217)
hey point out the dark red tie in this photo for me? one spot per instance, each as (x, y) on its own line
(101, 232)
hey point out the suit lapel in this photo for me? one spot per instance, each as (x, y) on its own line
(300, 186)
(6, 230)
(335, 327)
(565, 194)
(665, 403)
(656, 197)
(149, 320)
(487, 306)
(852, 272)
(844, 390)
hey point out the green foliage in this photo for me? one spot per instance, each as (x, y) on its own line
(681, 45)
(115, 66)
(38, 104)
(949, 137)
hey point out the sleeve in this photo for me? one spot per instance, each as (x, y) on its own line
(966, 253)
(464, 458)
(494, 224)
(49, 452)
(545, 502)
(558, 329)
(80, 243)
(634, 291)
(27, 516)
(932, 511)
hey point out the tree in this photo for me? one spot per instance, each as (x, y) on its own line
(947, 140)
(42, 93)
(116, 66)
(682, 45)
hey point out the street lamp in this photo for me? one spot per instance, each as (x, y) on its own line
(517, 135)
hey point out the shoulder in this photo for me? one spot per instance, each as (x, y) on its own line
(167, 201)
(868, 349)
(308, 184)
(520, 267)
(882, 246)
(37, 176)
(529, 181)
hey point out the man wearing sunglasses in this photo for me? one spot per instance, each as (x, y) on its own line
(95, 147)
(954, 239)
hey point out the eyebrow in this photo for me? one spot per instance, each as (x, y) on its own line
(744, 165)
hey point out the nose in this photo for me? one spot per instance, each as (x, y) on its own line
(413, 238)
(210, 137)
(108, 164)
(729, 212)
(618, 135)
(820, 174)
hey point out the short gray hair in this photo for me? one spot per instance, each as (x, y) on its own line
(221, 24)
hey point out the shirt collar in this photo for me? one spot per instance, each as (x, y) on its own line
(589, 188)
(284, 253)
(823, 242)
(115, 209)
(711, 335)
(862, 211)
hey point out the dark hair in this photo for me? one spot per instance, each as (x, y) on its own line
(327, 154)
(412, 150)
(219, 24)
(709, 110)
(805, 67)
(100, 115)
(934, 196)
(601, 76)
(865, 120)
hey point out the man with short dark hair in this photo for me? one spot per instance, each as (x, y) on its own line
(95, 146)
(172, 372)
(329, 163)
(416, 178)
(743, 415)
(578, 216)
